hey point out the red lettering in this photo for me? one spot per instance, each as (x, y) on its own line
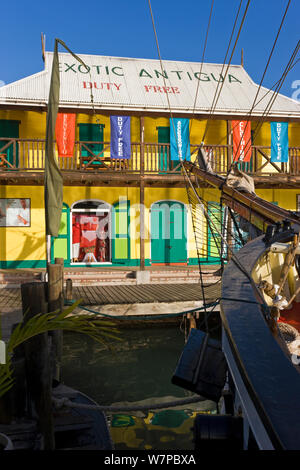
(96, 86)
(85, 85)
(164, 89)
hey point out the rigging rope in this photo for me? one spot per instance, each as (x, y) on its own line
(171, 115)
(66, 402)
(202, 61)
(216, 97)
(259, 101)
(259, 87)
(268, 106)
(189, 184)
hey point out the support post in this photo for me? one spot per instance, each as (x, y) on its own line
(69, 289)
(56, 302)
(229, 143)
(142, 194)
(38, 362)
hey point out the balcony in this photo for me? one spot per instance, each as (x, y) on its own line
(20, 157)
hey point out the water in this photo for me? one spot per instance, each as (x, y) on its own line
(139, 367)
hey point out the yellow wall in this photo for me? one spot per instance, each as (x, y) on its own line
(24, 243)
(33, 126)
(28, 243)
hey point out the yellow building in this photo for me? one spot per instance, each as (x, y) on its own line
(130, 211)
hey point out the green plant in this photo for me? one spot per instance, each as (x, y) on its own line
(88, 324)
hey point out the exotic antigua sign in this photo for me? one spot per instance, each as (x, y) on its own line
(122, 84)
(101, 70)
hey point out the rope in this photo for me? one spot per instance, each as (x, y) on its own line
(217, 95)
(257, 92)
(65, 402)
(263, 96)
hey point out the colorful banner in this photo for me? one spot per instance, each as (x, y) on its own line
(241, 133)
(65, 134)
(180, 139)
(120, 138)
(279, 142)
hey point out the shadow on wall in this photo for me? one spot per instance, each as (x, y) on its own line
(33, 243)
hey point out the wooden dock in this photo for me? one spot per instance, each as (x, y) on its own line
(146, 293)
(126, 294)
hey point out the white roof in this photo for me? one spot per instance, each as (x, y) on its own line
(127, 84)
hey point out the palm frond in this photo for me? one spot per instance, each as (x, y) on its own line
(89, 324)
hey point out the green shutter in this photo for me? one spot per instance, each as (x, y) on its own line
(214, 229)
(60, 245)
(120, 233)
(91, 133)
(10, 129)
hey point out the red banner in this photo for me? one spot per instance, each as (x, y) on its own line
(65, 134)
(241, 132)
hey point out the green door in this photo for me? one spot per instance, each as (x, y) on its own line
(163, 158)
(91, 133)
(168, 233)
(9, 129)
(214, 231)
(60, 245)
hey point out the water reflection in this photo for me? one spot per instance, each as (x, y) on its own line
(138, 368)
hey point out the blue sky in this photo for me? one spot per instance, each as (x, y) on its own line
(124, 28)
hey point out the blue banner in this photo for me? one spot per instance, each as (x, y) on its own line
(180, 139)
(279, 142)
(120, 139)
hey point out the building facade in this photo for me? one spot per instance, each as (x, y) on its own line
(132, 211)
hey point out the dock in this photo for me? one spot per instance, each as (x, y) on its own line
(125, 294)
(119, 299)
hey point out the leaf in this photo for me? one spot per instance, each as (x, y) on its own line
(89, 324)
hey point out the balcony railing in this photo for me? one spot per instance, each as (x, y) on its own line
(152, 158)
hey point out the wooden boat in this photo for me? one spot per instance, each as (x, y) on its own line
(80, 428)
(254, 375)
(265, 374)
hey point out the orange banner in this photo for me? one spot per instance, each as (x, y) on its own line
(241, 133)
(65, 134)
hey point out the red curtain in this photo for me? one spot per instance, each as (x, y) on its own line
(241, 132)
(65, 134)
